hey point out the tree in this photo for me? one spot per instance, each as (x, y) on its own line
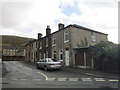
(105, 54)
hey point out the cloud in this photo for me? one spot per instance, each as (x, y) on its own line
(64, 3)
(13, 13)
(29, 17)
(32, 15)
(101, 16)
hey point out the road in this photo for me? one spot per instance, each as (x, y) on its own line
(23, 75)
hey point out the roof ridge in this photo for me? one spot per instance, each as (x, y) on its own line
(79, 26)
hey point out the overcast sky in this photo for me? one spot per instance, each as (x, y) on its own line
(26, 18)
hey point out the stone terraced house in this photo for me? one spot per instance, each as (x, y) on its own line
(61, 44)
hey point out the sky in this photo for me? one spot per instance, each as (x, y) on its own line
(27, 18)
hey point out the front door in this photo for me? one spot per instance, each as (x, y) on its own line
(67, 57)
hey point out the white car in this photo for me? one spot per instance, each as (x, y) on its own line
(48, 63)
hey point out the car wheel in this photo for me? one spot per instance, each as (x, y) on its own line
(45, 68)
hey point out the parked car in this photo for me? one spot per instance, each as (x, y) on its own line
(48, 63)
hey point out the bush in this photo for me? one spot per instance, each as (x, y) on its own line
(105, 55)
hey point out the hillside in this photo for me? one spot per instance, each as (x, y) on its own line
(14, 41)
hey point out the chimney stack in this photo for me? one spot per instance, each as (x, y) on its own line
(39, 36)
(48, 30)
(60, 26)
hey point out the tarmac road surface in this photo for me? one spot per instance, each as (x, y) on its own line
(23, 75)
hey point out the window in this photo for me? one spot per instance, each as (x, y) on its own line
(36, 54)
(46, 54)
(54, 41)
(36, 44)
(61, 55)
(93, 37)
(40, 45)
(29, 54)
(54, 54)
(40, 56)
(66, 37)
(32, 45)
(46, 42)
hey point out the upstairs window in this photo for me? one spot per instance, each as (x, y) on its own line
(93, 37)
(46, 42)
(54, 41)
(66, 37)
(40, 45)
(36, 44)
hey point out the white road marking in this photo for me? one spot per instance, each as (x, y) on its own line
(61, 79)
(43, 75)
(112, 80)
(73, 79)
(86, 79)
(15, 79)
(93, 74)
(99, 79)
(50, 79)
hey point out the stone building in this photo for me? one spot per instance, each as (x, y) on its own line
(61, 44)
(13, 53)
(31, 51)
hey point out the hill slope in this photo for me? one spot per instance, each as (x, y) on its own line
(14, 41)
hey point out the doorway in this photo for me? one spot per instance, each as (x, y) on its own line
(67, 57)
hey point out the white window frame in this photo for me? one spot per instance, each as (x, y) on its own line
(40, 45)
(54, 53)
(54, 41)
(46, 54)
(40, 56)
(66, 34)
(93, 36)
(60, 52)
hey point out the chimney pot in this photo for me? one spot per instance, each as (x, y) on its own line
(48, 26)
(60, 26)
(39, 35)
(48, 30)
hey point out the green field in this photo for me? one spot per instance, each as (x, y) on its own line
(14, 41)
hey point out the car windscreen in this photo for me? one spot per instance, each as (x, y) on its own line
(54, 60)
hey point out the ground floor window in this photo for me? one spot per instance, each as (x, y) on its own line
(46, 54)
(54, 55)
(61, 55)
(40, 56)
